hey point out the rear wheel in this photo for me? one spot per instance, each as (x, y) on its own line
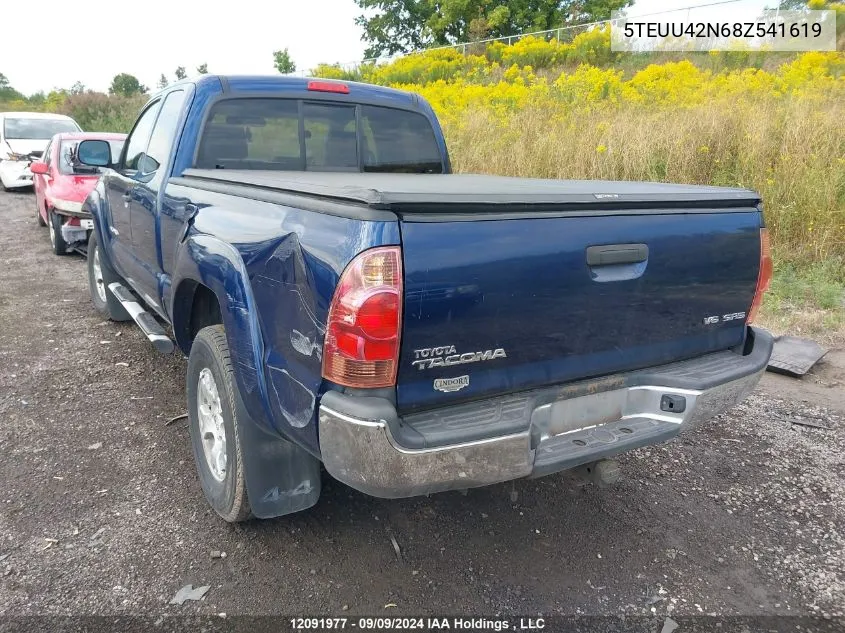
(100, 275)
(56, 240)
(214, 425)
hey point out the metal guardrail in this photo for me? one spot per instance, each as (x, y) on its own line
(560, 33)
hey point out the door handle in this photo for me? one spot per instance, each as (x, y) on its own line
(609, 254)
(126, 196)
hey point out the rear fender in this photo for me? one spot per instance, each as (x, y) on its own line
(281, 477)
(206, 260)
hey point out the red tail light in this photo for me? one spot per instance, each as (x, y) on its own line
(764, 277)
(328, 86)
(365, 320)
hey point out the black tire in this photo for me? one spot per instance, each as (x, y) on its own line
(109, 307)
(56, 240)
(226, 491)
(41, 221)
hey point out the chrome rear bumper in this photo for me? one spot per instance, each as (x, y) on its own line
(560, 428)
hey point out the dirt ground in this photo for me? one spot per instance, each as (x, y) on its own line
(101, 511)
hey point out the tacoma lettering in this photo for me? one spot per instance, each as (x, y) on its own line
(427, 360)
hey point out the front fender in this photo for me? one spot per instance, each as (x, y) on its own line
(97, 205)
(203, 259)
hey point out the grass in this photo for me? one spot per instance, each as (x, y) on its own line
(807, 301)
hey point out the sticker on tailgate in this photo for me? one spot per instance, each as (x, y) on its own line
(451, 384)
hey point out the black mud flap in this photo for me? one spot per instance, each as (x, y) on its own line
(281, 477)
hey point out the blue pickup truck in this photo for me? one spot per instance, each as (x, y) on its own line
(344, 300)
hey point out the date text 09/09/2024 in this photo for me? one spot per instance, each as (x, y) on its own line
(418, 624)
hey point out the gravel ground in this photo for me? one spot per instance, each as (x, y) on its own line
(101, 511)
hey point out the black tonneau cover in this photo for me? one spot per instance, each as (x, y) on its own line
(421, 193)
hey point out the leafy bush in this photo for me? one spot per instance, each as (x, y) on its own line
(94, 111)
(529, 51)
(435, 65)
(674, 83)
(333, 71)
(591, 47)
(589, 84)
(97, 112)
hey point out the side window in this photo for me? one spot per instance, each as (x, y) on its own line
(164, 132)
(136, 144)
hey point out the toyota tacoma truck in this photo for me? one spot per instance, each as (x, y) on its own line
(344, 300)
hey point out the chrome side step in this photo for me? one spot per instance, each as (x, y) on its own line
(146, 321)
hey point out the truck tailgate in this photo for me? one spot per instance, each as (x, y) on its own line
(500, 305)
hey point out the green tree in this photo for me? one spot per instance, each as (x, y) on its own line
(202, 69)
(7, 93)
(283, 62)
(162, 82)
(55, 100)
(180, 73)
(396, 26)
(126, 85)
(77, 88)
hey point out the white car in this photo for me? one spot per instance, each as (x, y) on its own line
(25, 133)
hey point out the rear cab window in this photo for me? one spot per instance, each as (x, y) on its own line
(282, 134)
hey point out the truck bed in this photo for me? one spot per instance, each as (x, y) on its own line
(474, 193)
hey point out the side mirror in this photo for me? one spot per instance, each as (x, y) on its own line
(38, 167)
(94, 153)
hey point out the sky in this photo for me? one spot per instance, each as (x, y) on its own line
(93, 43)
